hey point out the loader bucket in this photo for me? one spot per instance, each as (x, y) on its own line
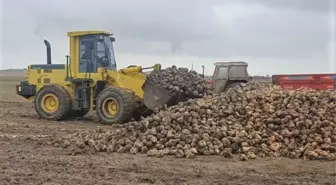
(155, 96)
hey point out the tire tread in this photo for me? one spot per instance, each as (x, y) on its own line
(127, 104)
(64, 100)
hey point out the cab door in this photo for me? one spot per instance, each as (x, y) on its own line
(220, 78)
(87, 55)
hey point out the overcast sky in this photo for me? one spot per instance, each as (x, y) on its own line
(273, 36)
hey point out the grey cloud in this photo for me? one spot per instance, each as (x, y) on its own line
(282, 29)
(304, 5)
(280, 34)
(139, 19)
(318, 6)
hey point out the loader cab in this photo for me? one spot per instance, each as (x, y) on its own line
(90, 51)
(94, 52)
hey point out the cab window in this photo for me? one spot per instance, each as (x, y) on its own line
(86, 50)
(86, 54)
(221, 72)
(101, 50)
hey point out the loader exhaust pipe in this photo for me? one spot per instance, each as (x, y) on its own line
(48, 51)
(203, 71)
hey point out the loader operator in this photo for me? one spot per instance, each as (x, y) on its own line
(88, 48)
(101, 58)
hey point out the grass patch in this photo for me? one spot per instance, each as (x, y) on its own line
(12, 79)
(8, 88)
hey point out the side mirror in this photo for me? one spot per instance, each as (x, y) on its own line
(112, 39)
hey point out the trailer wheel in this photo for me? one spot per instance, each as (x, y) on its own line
(52, 102)
(114, 105)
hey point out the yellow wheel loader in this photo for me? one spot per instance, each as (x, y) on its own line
(90, 81)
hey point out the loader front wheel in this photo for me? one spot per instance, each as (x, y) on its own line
(114, 105)
(52, 102)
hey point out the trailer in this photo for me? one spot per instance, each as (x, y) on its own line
(313, 81)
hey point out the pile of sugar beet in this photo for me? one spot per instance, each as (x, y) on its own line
(181, 83)
(248, 121)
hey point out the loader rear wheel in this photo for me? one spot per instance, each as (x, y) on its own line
(114, 105)
(52, 102)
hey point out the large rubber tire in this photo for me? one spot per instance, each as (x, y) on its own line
(59, 96)
(125, 106)
(77, 113)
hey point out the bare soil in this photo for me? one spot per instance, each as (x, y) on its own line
(27, 156)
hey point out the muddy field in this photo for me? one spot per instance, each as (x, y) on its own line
(28, 156)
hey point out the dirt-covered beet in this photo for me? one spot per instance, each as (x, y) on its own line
(249, 121)
(182, 83)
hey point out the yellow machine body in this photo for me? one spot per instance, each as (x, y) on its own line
(130, 79)
(79, 84)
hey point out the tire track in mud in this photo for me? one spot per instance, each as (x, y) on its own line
(25, 112)
(27, 156)
(18, 121)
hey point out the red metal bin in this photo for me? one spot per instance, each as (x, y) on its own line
(314, 81)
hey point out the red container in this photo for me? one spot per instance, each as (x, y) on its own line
(314, 81)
